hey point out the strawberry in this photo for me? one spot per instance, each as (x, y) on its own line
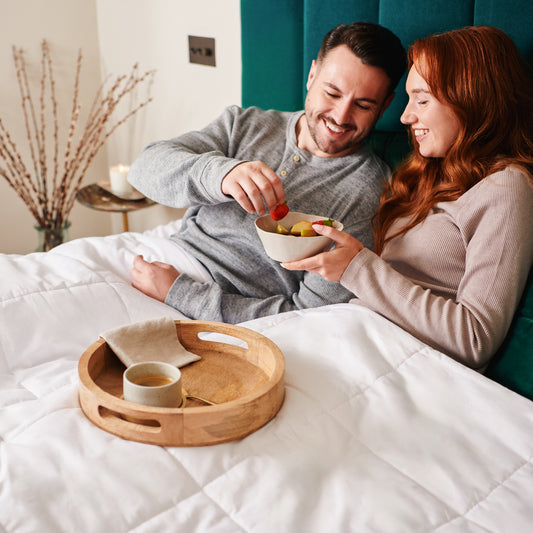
(327, 222)
(280, 211)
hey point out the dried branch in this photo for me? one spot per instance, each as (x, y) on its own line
(49, 191)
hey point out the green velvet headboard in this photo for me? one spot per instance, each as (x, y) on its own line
(280, 38)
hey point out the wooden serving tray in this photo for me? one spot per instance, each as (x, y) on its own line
(246, 383)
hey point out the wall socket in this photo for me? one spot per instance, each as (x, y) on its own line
(202, 50)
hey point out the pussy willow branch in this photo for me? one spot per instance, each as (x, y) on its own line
(42, 185)
(49, 190)
(54, 115)
(20, 68)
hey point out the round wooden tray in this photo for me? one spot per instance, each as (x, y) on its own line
(246, 383)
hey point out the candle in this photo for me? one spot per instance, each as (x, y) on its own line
(118, 176)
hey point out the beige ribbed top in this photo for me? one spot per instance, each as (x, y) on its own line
(454, 281)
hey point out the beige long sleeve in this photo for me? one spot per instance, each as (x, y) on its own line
(455, 280)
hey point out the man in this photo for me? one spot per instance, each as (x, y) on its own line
(249, 161)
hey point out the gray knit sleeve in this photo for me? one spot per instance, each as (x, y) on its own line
(188, 170)
(207, 301)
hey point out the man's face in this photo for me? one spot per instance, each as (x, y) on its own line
(344, 101)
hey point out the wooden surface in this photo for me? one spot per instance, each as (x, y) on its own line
(98, 198)
(246, 381)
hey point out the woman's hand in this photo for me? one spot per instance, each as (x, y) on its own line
(330, 265)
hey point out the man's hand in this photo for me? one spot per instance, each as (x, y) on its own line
(153, 279)
(252, 182)
(330, 265)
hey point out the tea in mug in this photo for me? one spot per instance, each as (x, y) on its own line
(154, 380)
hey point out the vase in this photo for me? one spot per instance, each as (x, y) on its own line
(49, 238)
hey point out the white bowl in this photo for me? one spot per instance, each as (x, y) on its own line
(285, 248)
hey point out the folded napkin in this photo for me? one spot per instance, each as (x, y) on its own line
(151, 340)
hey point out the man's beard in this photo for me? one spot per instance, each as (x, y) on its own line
(330, 146)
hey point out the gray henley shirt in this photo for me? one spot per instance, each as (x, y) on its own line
(187, 172)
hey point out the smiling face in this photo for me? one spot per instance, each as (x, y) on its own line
(344, 101)
(435, 126)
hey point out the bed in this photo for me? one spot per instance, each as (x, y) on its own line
(377, 431)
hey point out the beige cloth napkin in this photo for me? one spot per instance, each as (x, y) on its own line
(151, 340)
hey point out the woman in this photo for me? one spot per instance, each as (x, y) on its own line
(454, 232)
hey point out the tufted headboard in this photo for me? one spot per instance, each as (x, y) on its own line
(280, 38)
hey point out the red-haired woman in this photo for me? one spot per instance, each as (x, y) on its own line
(454, 232)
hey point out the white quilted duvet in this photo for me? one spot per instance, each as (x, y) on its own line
(378, 432)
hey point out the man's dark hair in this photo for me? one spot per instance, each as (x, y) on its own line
(373, 44)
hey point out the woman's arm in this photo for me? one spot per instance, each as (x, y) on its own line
(495, 221)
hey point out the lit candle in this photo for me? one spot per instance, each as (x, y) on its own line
(118, 176)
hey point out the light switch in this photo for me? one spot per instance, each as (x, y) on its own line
(202, 50)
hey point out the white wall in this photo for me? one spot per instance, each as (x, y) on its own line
(68, 26)
(186, 96)
(115, 34)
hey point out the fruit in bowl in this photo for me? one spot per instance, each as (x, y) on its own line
(288, 246)
(303, 228)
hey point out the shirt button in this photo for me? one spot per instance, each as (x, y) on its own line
(283, 172)
(296, 158)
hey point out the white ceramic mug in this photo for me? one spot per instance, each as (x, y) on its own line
(153, 383)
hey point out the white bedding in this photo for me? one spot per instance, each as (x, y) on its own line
(378, 432)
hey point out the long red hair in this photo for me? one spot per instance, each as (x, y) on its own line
(479, 72)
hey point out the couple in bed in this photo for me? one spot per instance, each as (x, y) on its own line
(452, 244)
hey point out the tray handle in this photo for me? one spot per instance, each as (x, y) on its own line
(193, 333)
(116, 422)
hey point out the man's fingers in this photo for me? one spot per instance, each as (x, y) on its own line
(272, 188)
(139, 262)
(153, 279)
(253, 194)
(161, 265)
(253, 184)
(261, 187)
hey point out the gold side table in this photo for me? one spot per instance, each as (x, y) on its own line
(96, 197)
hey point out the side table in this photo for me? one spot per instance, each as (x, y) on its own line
(98, 198)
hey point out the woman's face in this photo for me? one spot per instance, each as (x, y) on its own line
(434, 125)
